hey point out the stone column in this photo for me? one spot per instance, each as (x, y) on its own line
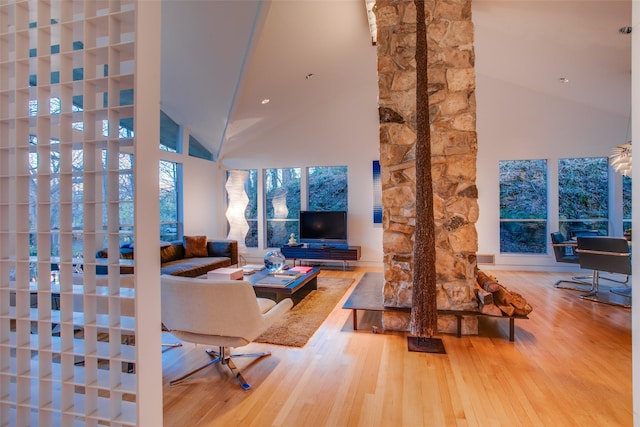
(453, 148)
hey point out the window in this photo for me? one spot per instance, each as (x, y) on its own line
(583, 192)
(170, 212)
(327, 188)
(523, 206)
(169, 134)
(282, 204)
(126, 196)
(626, 203)
(196, 149)
(251, 214)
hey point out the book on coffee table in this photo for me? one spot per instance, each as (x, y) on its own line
(287, 273)
(252, 268)
(275, 281)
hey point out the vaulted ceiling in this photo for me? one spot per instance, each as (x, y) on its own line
(220, 59)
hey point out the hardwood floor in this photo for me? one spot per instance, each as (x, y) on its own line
(570, 365)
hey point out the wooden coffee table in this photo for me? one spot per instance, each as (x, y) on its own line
(295, 290)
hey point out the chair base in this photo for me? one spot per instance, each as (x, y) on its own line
(223, 356)
(625, 292)
(605, 297)
(586, 286)
(608, 298)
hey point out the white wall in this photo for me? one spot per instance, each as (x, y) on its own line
(343, 131)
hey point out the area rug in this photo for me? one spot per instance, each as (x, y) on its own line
(301, 322)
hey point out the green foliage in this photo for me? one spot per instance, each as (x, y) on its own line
(583, 188)
(523, 189)
(328, 188)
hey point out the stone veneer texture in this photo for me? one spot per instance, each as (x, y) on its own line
(452, 110)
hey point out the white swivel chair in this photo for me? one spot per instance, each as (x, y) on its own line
(224, 314)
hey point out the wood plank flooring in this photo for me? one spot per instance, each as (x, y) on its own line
(570, 365)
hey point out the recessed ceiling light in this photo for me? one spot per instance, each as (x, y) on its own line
(564, 80)
(265, 101)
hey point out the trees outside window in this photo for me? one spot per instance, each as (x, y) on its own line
(282, 204)
(327, 188)
(523, 206)
(170, 212)
(583, 195)
(626, 203)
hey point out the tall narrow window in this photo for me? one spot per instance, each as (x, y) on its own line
(170, 220)
(126, 190)
(523, 206)
(282, 204)
(583, 192)
(327, 188)
(626, 203)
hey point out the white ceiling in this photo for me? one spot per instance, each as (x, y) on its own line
(220, 59)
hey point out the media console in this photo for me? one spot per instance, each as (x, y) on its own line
(323, 253)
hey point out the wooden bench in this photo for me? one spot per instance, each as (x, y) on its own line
(367, 295)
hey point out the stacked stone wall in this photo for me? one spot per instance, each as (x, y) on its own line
(452, 109)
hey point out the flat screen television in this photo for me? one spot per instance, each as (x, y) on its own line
(323, 228)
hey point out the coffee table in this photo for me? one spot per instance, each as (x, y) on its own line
(295, 290)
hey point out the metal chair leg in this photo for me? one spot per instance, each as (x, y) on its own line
(215, 359)
(594, 287)
(224, 356)
(625, 292)
(604, 298)
(236, 373)
(573, 288)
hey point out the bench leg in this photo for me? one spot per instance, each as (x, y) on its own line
(459, 324)
(355, 319)
(512, 327)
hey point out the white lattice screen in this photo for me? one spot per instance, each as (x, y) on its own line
(67, 77)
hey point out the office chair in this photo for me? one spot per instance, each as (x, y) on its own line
(564, 251)
(602, 253)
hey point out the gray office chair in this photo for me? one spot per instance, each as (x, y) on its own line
(564, 251)
(609, 254)
(221, 313)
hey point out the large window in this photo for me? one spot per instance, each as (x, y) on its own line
(523, 206)
(583, 195)
(282, 204)
(327, 188)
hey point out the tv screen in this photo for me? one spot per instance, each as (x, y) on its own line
(323, 227)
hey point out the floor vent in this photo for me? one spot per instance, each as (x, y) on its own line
(486, 259)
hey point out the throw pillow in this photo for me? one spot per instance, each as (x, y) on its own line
(195, 246)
